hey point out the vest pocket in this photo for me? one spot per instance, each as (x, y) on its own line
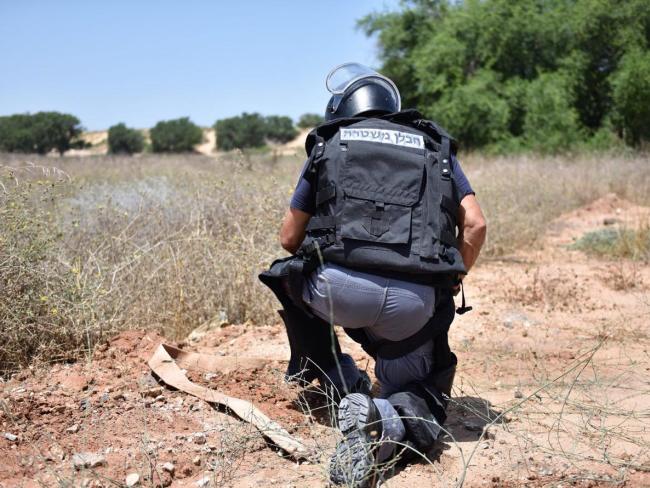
(365, 220)
(381, 184)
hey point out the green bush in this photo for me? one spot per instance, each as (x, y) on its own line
(550, 123)
(280, 129)
(40, 133)
(583, 63)
(241, 132)
(616, 243)
(475, 113)
(631, 96)
(175, 136)
(309, 120)
(123, 140)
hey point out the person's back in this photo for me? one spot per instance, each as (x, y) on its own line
(385, 212)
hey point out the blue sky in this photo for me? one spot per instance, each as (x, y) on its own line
(143, 61)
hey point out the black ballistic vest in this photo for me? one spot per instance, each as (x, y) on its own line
(385, 199)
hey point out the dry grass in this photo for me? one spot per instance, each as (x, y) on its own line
(103, 244)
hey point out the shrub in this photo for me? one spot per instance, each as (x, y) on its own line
(309, 120)
(40, 133)
(280, 129)
(631, 96)
(551, 123)
(123, 140)
(175, 136)
(616, 243)
(240, 132)
(474, 113)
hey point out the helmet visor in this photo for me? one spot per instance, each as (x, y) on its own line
(345, 75)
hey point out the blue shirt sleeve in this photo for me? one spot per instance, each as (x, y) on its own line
(303, 198)
(463, 188)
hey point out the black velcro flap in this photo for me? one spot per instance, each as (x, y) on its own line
(325, 194)
(449, 205)
(325, 222)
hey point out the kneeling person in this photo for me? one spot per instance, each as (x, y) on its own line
(386, 224)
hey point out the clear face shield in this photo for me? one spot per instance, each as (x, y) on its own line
(345, 75)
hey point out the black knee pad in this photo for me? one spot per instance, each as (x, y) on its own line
(422, 428)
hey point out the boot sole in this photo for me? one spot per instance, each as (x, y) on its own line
(356, 413)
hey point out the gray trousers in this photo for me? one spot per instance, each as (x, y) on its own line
(386, 308)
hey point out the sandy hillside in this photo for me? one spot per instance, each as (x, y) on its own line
(98, 141)
(553, 389)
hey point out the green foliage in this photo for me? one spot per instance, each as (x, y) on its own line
(474, 112)
(280, 129)
(544, 74)
(247, 131)
(307, 121)
(631, 96)
(616, 243)
(175, 136)
(550, 122)
(123, 140)
(243, 131)
(40, 133)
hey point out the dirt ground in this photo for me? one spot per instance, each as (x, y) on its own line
(553, 389)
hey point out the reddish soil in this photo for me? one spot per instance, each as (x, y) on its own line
(552, 390)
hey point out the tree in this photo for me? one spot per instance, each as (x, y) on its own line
(551, 122)
(240, 132)
(309, 120)
(279, 129)
(178, 135)
(554, 69)
(41, 132)
(122, 139)
(631, 97)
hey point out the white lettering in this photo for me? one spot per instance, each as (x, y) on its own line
(383, 136)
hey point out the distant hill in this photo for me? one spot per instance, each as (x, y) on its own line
(98, 141)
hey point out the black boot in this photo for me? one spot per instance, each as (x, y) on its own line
(422, 427)
(354, 461)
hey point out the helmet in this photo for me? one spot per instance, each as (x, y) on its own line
(358, 90)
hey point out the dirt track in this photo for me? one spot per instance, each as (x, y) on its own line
(553, 389)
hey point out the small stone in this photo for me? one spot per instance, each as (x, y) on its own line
(133, 480)
(11, 437)
(153, 392)
(199, 438)
(485, 445)
(147, 381)
(83, 460)
(84, 404)
(197, 461)
(546, 471)
(73, 429)
(205, 481)
(169, 467)
(55, 453)
(518, 393)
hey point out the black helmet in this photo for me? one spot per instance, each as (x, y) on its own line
(358, 90)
